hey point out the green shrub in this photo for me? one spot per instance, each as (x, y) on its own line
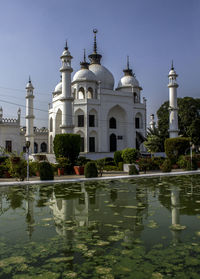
(82, 161)
(109, 161)
(18, 169)
(33, 168)
(130, 155)
(100, 166)
(166, 166)
(91, 170)
(66, 165)
(110, 168)
(175, 147)
(2, 170)
(192, 164)
(133, 170)
(67, 146)
(118, 157)
(120, 166)
(46, 171)
(182, 162)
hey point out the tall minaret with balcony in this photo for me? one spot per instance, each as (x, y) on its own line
(66, 98)
(29, 115)
(173, 109)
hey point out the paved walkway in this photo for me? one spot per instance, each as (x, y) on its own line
(106, 176)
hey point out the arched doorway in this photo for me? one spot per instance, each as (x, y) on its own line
(113, 143)
(43, 147)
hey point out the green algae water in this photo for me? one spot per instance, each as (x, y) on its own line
(136, 229)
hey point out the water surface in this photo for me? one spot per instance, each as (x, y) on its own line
(136, 229)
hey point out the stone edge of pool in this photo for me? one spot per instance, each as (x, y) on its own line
(13, 183)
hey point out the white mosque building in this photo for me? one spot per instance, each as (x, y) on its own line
(107, 119)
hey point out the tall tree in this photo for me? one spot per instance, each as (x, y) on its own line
(188, 116)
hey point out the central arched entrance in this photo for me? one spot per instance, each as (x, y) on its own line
(113, 143)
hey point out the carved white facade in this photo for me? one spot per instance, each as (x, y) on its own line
(107, 119)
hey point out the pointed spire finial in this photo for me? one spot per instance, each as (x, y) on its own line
(29, 79)
(172, 66)
(95, 40)
(84, 64)
(127, 62)
(84, 56)
(66, 46)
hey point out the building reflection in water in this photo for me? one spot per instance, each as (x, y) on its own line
(29, 211)
(101, 209)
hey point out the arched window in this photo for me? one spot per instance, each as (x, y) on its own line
(135, 97)
(43, 147)
(112, 123)
(138, 121)
(90, 93)
(113, 143)
(81, 93)
(51, 125)
(35, 147)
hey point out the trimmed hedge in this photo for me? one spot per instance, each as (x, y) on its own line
(130, 155)
(175, 147)
(166, 166)
(118, 157)
(133, 170)
(67, 146)
(90, 170)
(46, 171)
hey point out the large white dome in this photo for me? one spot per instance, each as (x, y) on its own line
(128, 81)
(58, 87)
(84, 75)
(103, 75)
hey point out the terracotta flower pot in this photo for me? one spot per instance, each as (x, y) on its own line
(79, 170)
(60, 171)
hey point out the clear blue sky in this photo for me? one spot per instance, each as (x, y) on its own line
(151, 32)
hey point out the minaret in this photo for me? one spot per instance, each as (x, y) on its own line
(29, 115)
(67, 99)
(19, 115)
(152, 122)
(173, 109)
(1, 114)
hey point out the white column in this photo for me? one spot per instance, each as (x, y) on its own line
(30, 116)
(67, 99)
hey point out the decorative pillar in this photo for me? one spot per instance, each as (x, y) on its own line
(173, 109)
(67, 99)
(29, 115)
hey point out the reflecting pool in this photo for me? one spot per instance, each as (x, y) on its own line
(136, 229)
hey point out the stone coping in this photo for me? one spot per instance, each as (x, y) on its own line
(83, 179)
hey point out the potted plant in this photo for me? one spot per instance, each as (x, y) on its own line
(79, 167)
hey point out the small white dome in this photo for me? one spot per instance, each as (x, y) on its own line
(29, 85)
(84, 75)
(128, 81)
(103, 75)
(172, 72)
(58, 87)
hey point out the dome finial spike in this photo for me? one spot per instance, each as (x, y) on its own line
(95, 40)
(66, 46)
(172, 66)
(29, 79)
(127, 62)
(84, 57)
